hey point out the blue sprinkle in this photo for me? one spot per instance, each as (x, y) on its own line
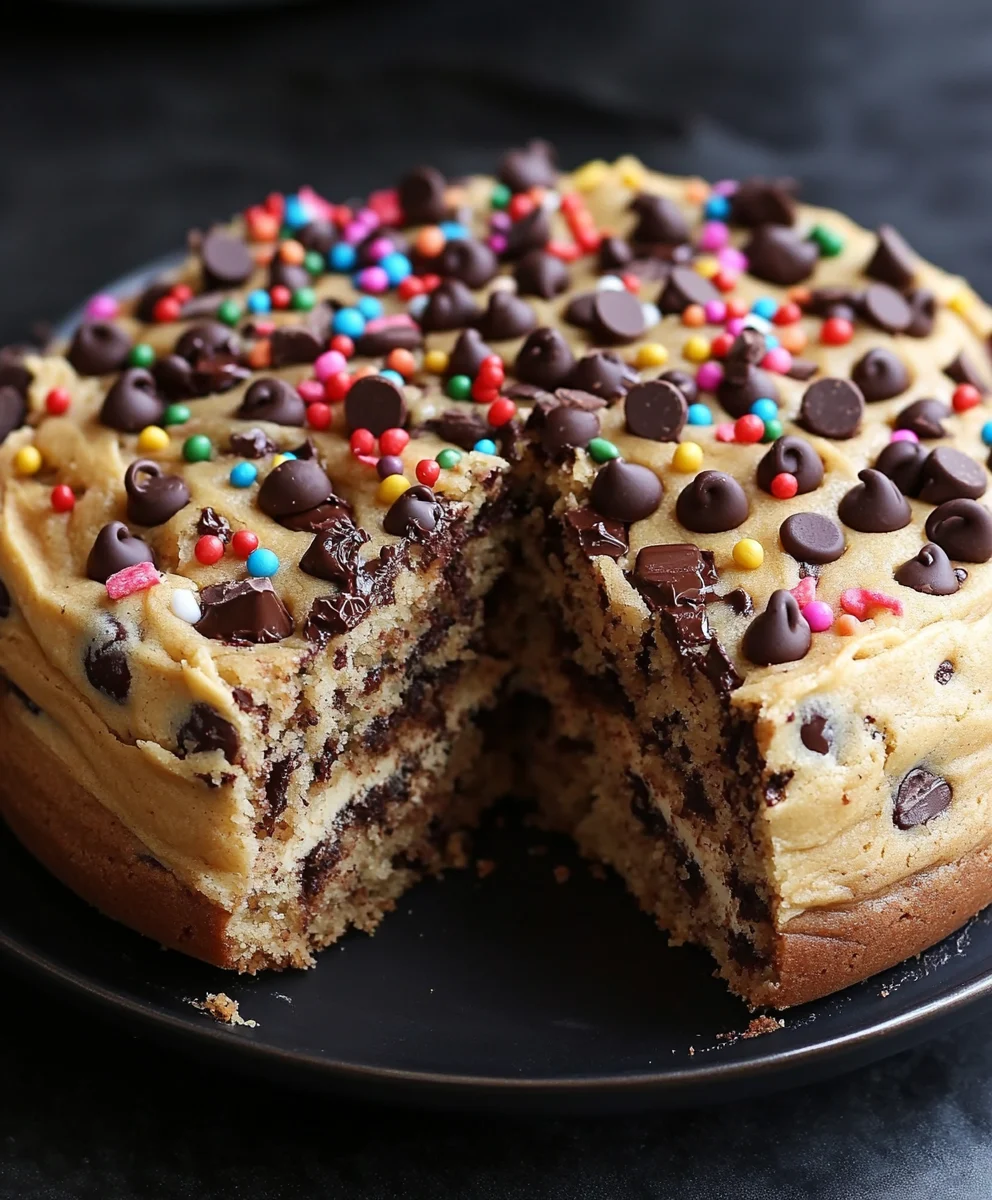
(393, 376)
(771, 341)
(699, 414)
(295, 214)
(262, 563)
(765, 408)
(765, 307)
(454, 231)
(350, 322)
(259, 301)
(243, 474)
(987, 433)
(397, 267)
(342, 257)
(485, 446)
(717, 208)
(417, 305)
(287, 454)
(370, 307)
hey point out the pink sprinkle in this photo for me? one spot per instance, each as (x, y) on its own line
(500, 221)
(732, 259)
(264, 328)
(331, 362)
(316, 204)
(379, 247)
(860, 601)
(778, 360)
(368, 218)
(818, 616)
(725, 432)
(367, 460)
(805, 591)
(736, 326)
(903, 435)
(496, 242)
(709, 375)
(373, 279)
(713, 236)
(386, 205)
(137, 578)
(102, 307)
(311, 390)
(390, 321)
(355, 232)
(716, 312)
(725, 187)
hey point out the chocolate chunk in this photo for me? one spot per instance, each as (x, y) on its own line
(875, 505)
(467, 355)
(833, 301)
(13, 410)
(205, 730)
(812, 538)
(886, 308)
(132, 402)
(923, 417)
(206, 340)
(290, 344)
(815, 734)
(614, 254)
(903, 462)
(330, 616)
(962, 528)
(5, 602)
(739, 601)
(923, 305)
(764, 202)
(226, 260)
(311, 519)
(656, 410)
(791, 456)
(618, 316)
(581, 310)
(659, 221)
(275, 400)
(603, 374)
(684, 286)
(892, 262)
(625, 491)
(421, 196)
(930, 572)
(533, 166)
(288, 275)
(253, 443)
(880, 374)
(466, 259)
(684, 382)
(244, 612)
(461, 426)
(565, 429)
(962, 370)
(105, 663)
(712, 503)
(779, 634)
(98, 348)
(532, 232)
(211, 522)
(317, 235)
(597, 535)
(832, 408)
(920, 797)
(541, 274)
(178, 380)
(949, 474)
(944, 672)
(295, 486)
(777, 255)
(450, 306)
(545, 359)
(418, 507)
(674, 575)
(506, 316)
(114, 549)
(153, 497)
(802, 369)
(376, 404)
(335, 553)
(398, 334)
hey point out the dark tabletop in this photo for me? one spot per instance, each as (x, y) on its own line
(117, 134)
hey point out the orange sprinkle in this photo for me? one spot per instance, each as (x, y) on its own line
(264, 255)
(260, 355)
(793, 338)
(263, 227)
(696, 190)
(430, 241)
(361, 372)
(694, 315)
(291, 251)
(402, 361)
(846, 625)
(799, 294)
(455, 197)
(536, 193)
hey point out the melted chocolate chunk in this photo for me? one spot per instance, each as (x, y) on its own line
(295, 486)
(875, 505)
(450, 306)
(625, 491)
(656, 410)
(275, 400)
(13, 410)
(566, 428)
(812, 538)
(675, 575)
(335, 553)
(880, 374)
(930, 572)
(153, 497)
(617, 316)
(597, 535)
(416, 509)
(815, 734)
(227, 262)
(466, 259)
(211, 522)
(132, 402)
(506, 317)
(421, 196)
(923, 417)
(764, 202)
(712, 503)
(832, 408)
(920, 797)
(660, 221)
(545, 359)
(777, 255)
(207, 340)
(962, 528)
(949, 474)
(98, 348)
(244, 612)
(541, 274)
(602, 374)
(376, 404)
(779, 634)
(253, 443)
(205, 730)
(791, 456)
(892, 262)
(114, 549)
(105, 663)
(532, 166)
(684, 286)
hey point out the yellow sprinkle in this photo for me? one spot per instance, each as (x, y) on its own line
(696, 190)
(392, 487)
(688, 458)
(590, 175)
(436, 361)
(152, 438)
(631, 176)
(651, 354)
(696, 348)
(962, 303)
(707, 266)
(278, 460)
(28, 460)
(749, 554)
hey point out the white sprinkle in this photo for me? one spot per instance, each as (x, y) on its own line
(551, 202)
(427, 411)
(652, 314)
(609, 283)
(185, 606)
(417, 306)
(504, 283)
(753, 321)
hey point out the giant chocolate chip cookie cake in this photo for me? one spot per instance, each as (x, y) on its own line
(658, 502)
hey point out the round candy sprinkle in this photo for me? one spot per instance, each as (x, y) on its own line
(63, 498)
(836, 331)
(724, 432)
(141, 355)
(987, 433)
(748, 428)
(787, 314)
(448, 458)
(101, 307)
(428, 471)
(748, 554)
(830, 243)
(281, 296)
(397, 267)
(284, 456)
(244, 542)
(696, 349)
(709, 376)
(601, 451)
(784, 486)
(391, 488)
(765, 306)
(818, 616)
(699, 414)
(262, 563)
(778, 360)
(904, 435)
(313, 261)
(329, 363)
(847, 625)
(350, 322)
(229, 311)
(651, 354)
(688, 458)
(304, 299)
(342, 257)
(152, 439)
(185, 606)
(197, 448)
(501, 412)
(392, 376)
(436, 361)
(362, 441)
(500, 196)
(370, 308)
(402, 362)
(27, 460)
(243, 474)
(175, 414)
(773, 430)
(717, 208)
(57, 402)
(318, 415)
(459, 387)
(337, 387)
(393, 441)
(694, 315)
(765, 408)
(966, 396)
(389, 464)
(485, 446)
(311, 390)
(209, 549)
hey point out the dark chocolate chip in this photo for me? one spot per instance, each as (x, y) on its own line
(962, 370)
(598, 535)
(114, 549)
(684, 382)
(566, 428)
(317, 235)
(779, 634)
(962, 528)
(791, 456)
(13, 410)
(887, 308)
(272, 399)
(545, 359)
(614, 254)
(227, 261)
(930, 572)
(532, 232)
(205, 730)
(581, 310)
(532, 166)
(252, 443)
(153, 497)
(461, 426)
(466, 259)
(376, 404)
(311, 519)
(450, 306)
(335, 553)
(421, 196)
(541, 274)
(659, 221)
(833, 301)
(802, 369)
(815, 734)
(211, 522)
(656, 410)
(506, 316)
(684, 286)
(98, 348)
(903, 463)
(832, 408)
(418, 507)
(764, 202)
(944, 672)
(949, 474)
(920, 797)
(923, 417)
(812, 538)
(290, 344)
(397, 335)
(737, 395)
(467, 355)
(132, 402)
(619, 316)
(923, 305)
(777, 255)
(875, 505)
(207, 339)
(13, 372)
(880, 374)
(712, 503)
(244, 612)
(892, 261)
(295, 486)
(288, 275)
(603, 374)
(625, 491)
(106, 665)
(675, 575)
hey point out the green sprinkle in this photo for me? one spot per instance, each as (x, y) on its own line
(459, 387)
(197, 448)
(175, 414)
(830, 243)
(141, 355)
(447, 459)
(229, 311)
(304, 299)
(500, 197)
(601, 451)
(314, 262)
(773, 430)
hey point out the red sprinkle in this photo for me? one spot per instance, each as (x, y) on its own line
(410, 287)
(787, 314)
(182, 292)
(337, 387)
(362, 441)
(343, 344)
(483, 391)
(784, 486)
(428, 471)
(725, 281)
(836, 331)
(720, 346)
(631, 282)
(311, 390)
(566, 251)
(501, 412)
(860, 601)
(520, 206)
(966, 396)
(430, 282)
(588, 240)
(137, 578)
(393, 441)
(166, 309)
(805, 591)
(736, 309)
(319, 415)
(57, 401)
(63, 498)
(280, 296)
(749, 428)
(244, 542)
(209, 549)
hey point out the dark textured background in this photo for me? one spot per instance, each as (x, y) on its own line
(117, 134)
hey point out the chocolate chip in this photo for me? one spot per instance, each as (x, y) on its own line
(566, 428)
(5, 602)
(603, 374)
(815, 734)
(598, 536)
(421, 196)
(153, 497)
(507, 316)
(105, 663)
(832, 408)
(923, 417)
(949, 474)
(533, 166)
(892, 261)
(920, 797)
(207, 339)
(962, 528)
(675, 575)
(253, 443)
(614, 254)
(418, 507)
(244, 612)
(684, 286)
(779, 634)
(880, 374)
(944, 672)
(812, 538)
(335, 553)
(802, 369)
(923, 305)
(541, 274)
(777, 255)
(886, 308)
(875, 505)
(400, 334)
(625, 491)
(532, 232)
(98, 348)
(791, 456)
(659, 221)
(833, 301)
(226, 260)
(466, 259)
(295, 486)
(684, 382)
(205, 730)
(743, 382)
(132, 402)
(114, 549)
(211, 522)
(272, 399)
(13, 410)
(288, 275)
(467, 355)
(962, 370)
(903, 462)
(581, 310)
(656, 410)
(461, 426)
(930, 572)
(764, 202)
(317, 235)
(290, 344)
(712, 503)
(450, 306)
(619, 316)
(545, 359)
(376, 404)
(13, 372)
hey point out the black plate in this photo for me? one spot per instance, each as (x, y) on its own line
(514, 991)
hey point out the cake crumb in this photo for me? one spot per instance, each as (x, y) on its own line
(762, 1025)
(457, 850)
(562, 874)
(484, 867)
(222, 1008)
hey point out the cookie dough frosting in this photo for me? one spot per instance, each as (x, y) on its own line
(692, 478)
